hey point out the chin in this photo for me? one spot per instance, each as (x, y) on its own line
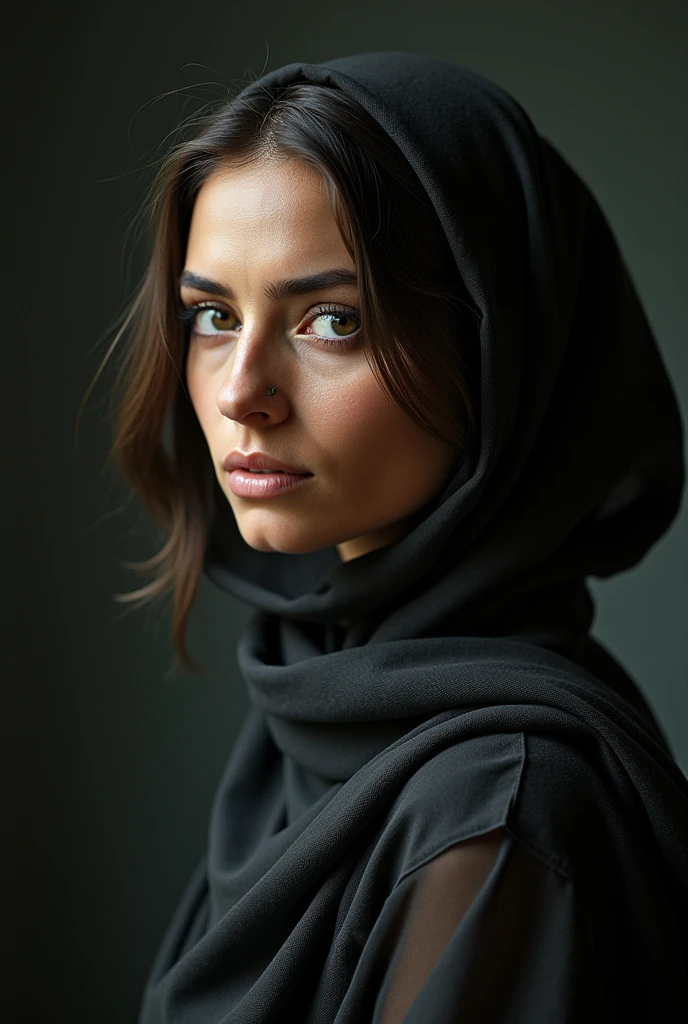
(289, 538)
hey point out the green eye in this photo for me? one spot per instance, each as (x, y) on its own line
(214, 319)
(334, 324)
(343, 324)
(217, 321)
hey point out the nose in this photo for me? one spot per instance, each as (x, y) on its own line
(254, 388)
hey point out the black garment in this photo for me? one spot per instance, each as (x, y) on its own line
(466, 694)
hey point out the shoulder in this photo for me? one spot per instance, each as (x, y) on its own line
(567, 804)
(473, 780)
(463, 791)
(551, 795)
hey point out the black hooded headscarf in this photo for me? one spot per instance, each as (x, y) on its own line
(464, 691)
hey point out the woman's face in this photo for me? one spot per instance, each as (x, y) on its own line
(253, 230)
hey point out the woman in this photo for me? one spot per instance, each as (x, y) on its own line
(391, 383)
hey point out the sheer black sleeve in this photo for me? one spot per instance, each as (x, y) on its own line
(482, 931)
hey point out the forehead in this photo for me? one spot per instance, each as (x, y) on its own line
(276, 209)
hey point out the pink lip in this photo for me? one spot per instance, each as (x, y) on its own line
(259, 460)
(277, 477)
(246, 484)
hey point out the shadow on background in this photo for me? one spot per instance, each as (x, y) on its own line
(112, 758)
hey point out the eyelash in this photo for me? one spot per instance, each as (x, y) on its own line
(187, 317)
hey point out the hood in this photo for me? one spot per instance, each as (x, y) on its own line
(580, 467)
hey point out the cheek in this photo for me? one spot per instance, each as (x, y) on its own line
(370, 418)
(375, 443)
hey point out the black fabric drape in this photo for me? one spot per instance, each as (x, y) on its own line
(466, 692)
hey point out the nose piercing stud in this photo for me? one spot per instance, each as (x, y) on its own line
(272, 390)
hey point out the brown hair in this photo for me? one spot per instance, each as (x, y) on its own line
(419, 326)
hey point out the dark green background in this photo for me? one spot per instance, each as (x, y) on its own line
(110, 758)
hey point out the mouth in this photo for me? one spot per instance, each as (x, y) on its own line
(248, 483)
(258, 461)
(259, 475)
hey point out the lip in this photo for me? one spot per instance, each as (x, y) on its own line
(277, 477)
(259, 460)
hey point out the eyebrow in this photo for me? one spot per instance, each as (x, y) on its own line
(276, 290)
